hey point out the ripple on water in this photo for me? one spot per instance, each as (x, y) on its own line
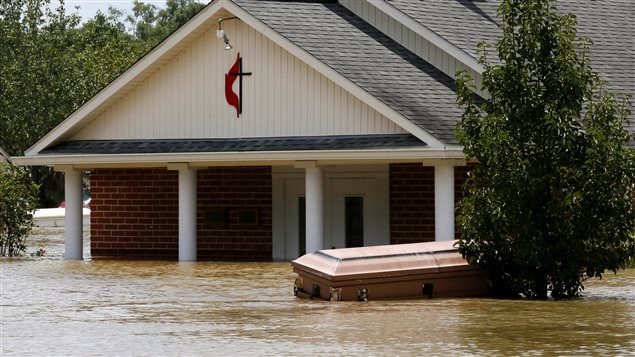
(54, 307)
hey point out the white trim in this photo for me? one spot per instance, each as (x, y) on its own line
(4, 157)
(309, 164)
(445, 162)
(271, 158)
(429, 35)
(178, 166)
(444, 203)
(147, 64)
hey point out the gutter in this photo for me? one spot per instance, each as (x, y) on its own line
(269, 158)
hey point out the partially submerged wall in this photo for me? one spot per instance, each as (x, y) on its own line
(234, 213)
(412, 201)
(135, 213)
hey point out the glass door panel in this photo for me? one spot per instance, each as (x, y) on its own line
(354, 221)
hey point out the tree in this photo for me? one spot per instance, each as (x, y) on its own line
(18, 200)
(49, 66)
(550, 202)
(152, 24)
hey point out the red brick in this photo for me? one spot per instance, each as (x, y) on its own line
(411, 198)
(140, 218)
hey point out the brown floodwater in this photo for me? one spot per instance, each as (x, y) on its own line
(146, 308)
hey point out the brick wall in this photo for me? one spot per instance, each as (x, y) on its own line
(134, 213)
(225, 193)
(412, 201)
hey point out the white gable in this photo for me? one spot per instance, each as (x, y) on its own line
(185, 98)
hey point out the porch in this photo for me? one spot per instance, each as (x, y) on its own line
(261, 212)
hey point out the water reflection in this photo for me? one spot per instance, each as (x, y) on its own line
(54, 307)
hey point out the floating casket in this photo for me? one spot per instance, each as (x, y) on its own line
(399, 271)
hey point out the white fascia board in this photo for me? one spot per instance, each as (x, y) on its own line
(333, 75)
(242, 158)
(143, 64)
(429, 35)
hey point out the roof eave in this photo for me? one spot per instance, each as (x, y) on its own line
(269, 158)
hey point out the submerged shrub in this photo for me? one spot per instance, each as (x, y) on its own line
(18, 200)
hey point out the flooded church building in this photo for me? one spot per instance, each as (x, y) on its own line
(263, 130)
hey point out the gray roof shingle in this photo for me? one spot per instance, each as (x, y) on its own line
(408, 83)
(370, 59)
(462, 22)
(296, 143)
(609, 23)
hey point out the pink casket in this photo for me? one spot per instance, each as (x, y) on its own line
(399, 271)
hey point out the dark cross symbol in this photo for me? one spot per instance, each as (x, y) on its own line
(235, 71)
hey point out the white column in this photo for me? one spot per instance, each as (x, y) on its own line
(443, 202)
(73, 219)
(314, 209)
(187, 214)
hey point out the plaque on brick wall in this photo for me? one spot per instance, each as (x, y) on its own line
(217, 217)
(248, 217)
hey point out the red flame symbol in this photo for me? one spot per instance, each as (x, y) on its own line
(232, 98)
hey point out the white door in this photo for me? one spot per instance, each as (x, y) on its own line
(353, 214)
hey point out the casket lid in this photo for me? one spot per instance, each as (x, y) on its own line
(383, 261)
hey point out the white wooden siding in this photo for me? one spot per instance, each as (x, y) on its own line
(185, 98)
(408, 38)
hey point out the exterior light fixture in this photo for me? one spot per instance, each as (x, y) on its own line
(221, 34)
